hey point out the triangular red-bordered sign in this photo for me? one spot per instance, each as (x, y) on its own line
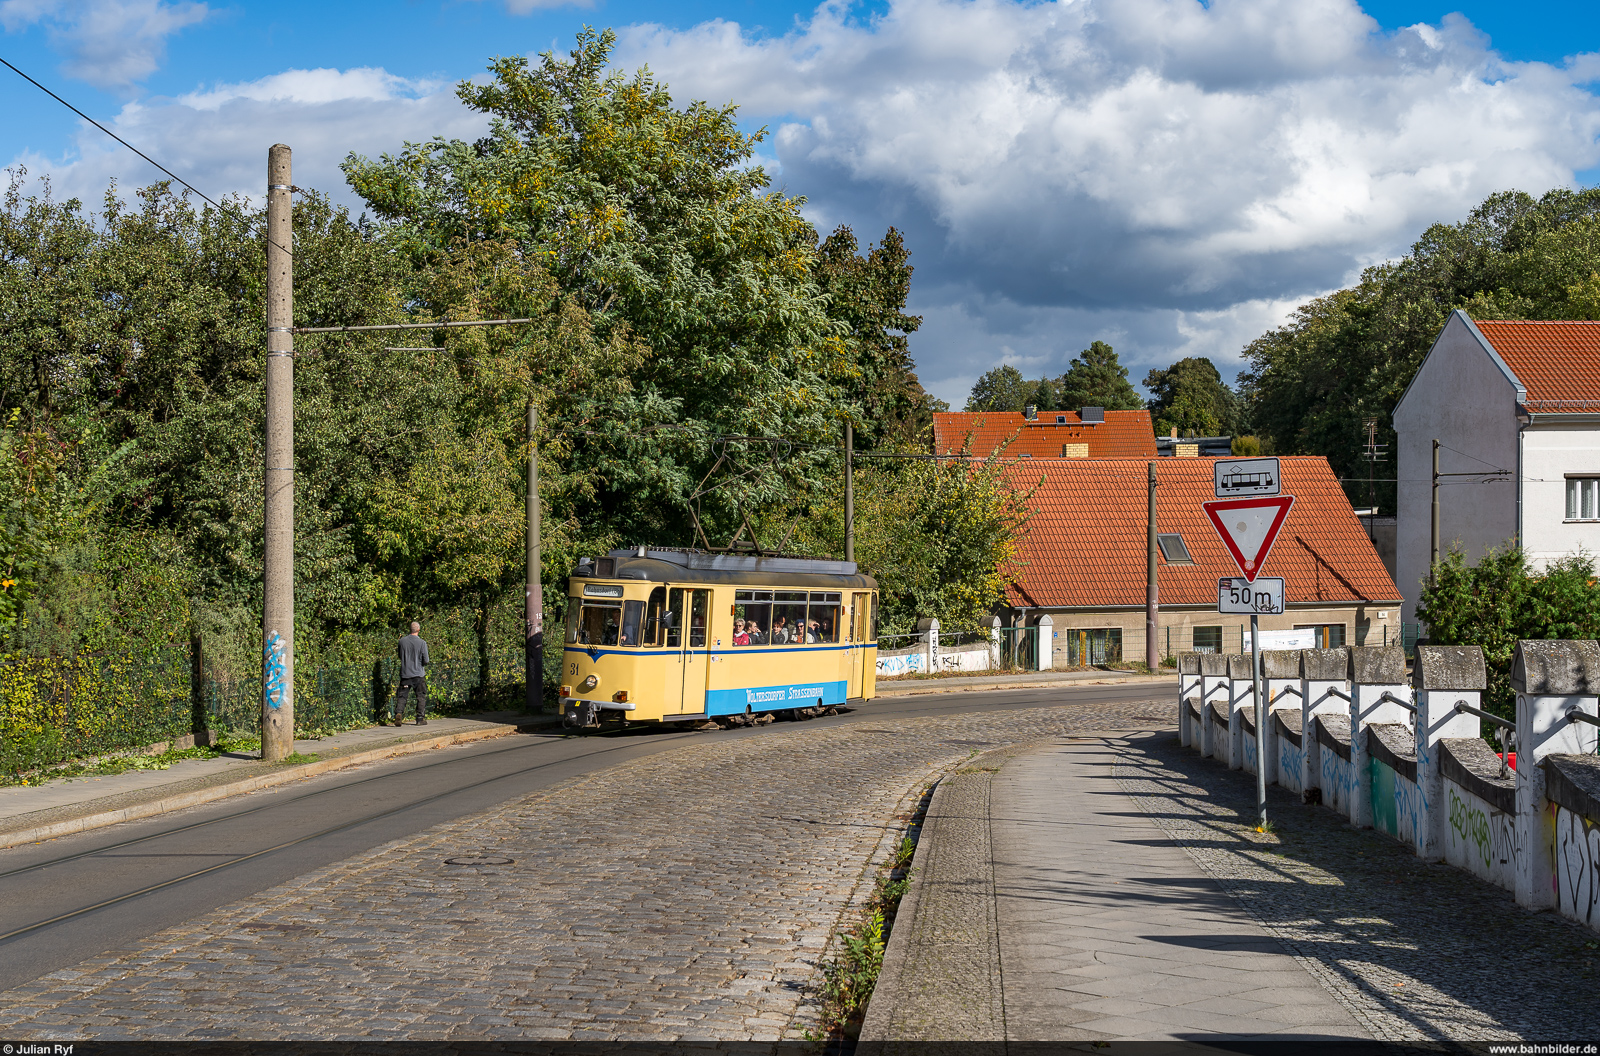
(1248, 528)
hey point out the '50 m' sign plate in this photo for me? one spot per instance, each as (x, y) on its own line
(1241, 597)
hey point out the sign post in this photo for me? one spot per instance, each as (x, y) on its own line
(1248, 515)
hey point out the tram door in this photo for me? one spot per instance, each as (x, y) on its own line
(860, 638)
(694, 653)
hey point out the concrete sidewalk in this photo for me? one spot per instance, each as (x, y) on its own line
(1113, 887)
(1046, 906)
(64, 806)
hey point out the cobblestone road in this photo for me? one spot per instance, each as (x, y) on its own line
(1417, 952)
(687, 895)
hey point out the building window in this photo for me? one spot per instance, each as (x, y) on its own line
(1208, 639)
(1329, 635)
(1093, 645)
(1581, 498)
(1173, 550)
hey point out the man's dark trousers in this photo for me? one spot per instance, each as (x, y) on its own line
(418, 688)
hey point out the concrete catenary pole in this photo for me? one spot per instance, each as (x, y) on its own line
(277, 617)
(849, 492)
(1152, 594)
(533, 647)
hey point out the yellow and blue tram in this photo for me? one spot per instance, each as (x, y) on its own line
(675, 635)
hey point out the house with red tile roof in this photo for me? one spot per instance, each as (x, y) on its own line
(1049, 434)
(1083, 560)
(1515, 410)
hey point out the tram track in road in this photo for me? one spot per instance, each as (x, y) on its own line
(57, 909)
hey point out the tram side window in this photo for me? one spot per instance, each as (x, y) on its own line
(673, 618)
(599, 623)
(822, 626)
(789, 617)
(872, 632)
(754, 607)
(653, 617)
(698, 614)
(632, 617)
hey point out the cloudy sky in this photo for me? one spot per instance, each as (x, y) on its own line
(1167, 175)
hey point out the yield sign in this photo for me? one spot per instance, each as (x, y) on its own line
(1248, 527)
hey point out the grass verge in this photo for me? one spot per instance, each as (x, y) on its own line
(849, 978)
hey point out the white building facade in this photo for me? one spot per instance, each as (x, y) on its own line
(1515, 407)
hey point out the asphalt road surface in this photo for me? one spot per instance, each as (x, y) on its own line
(77, 897)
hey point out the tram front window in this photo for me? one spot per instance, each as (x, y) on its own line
(572, 621)
(598, 624)
(632, 617)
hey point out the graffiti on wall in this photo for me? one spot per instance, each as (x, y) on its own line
(1338, 782)
(1577, 867)
(901, 664)
(1479, 838)
(1291, 758)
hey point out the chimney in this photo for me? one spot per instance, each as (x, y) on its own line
(1174, 434)
(1031, 413)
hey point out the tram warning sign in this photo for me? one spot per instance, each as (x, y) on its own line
(1234, 478)
(1243, 597)
(1248, 528)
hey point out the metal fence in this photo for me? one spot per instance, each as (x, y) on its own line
(54, 709)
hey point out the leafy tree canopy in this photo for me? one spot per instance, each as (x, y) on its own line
(867, 295)
(1349, 356)
(652, 217)
(1002, 388)
(1190, 396)
(1096, 379)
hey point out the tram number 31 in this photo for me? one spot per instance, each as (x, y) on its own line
(1242, 597)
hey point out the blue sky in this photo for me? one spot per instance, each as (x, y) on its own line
(1167, 175)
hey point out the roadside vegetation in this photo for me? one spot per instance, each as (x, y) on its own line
(851, 975)
(1500, 601)
(676, 299)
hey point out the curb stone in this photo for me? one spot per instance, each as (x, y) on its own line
(906, 968)
(99, 813)
(920, 687)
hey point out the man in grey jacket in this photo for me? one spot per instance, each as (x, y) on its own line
(413, 663)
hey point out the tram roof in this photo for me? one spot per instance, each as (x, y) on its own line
(702, 566)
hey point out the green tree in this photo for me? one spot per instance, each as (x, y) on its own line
(1190, 396)
(1350, 355)
(867, 296)
(1500, 601)
(1001, 388)
(652, 217)
(940, 537)
(1044, 397)
(1096, 379)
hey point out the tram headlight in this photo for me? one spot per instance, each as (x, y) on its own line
(588, 684)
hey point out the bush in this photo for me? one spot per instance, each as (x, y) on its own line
(1500, 601)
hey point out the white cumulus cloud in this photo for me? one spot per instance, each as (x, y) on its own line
(1178, 173)
(108, 43)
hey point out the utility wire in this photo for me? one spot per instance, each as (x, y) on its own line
(124, 142)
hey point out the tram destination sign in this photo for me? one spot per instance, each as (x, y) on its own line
(1236, 478)
(1242, 597)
